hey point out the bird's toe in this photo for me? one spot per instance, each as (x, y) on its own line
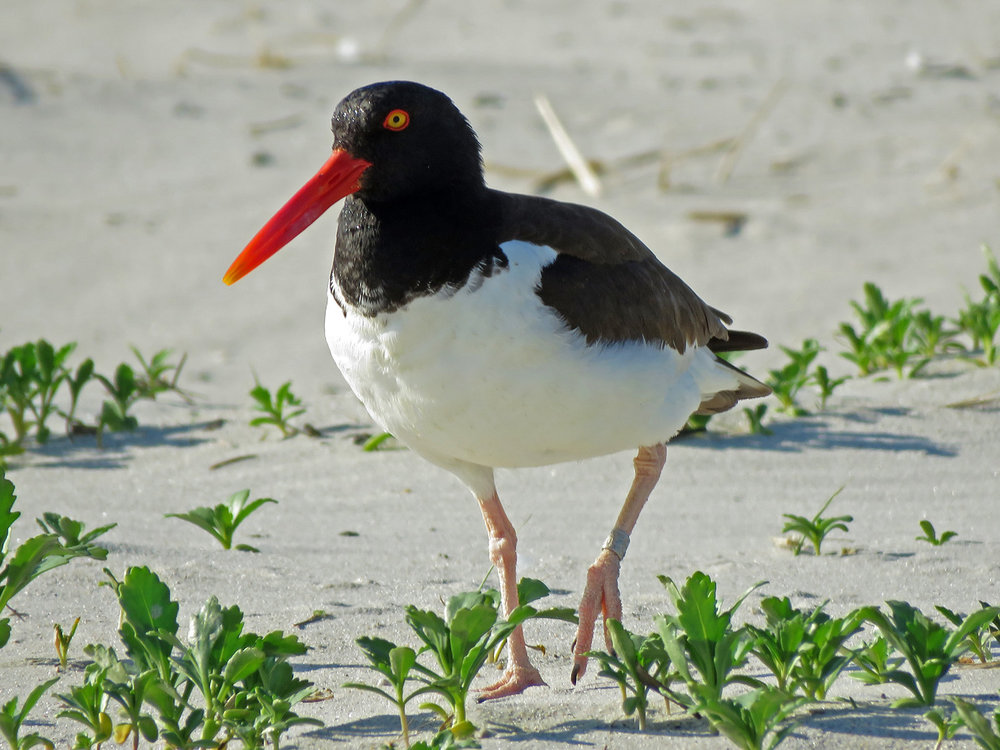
(515, 680)
(600, 598)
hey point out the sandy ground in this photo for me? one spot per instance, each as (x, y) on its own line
(142, 144)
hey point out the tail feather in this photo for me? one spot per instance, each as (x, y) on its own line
(748, 386)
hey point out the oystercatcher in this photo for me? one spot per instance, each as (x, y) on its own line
(485, 329)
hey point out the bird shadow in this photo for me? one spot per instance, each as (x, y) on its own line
(820, 432)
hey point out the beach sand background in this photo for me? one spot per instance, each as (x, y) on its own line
(144, 143)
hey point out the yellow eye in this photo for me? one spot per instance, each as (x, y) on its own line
(398, 119)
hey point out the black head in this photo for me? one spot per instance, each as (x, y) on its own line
(392, 141)
(414, 137)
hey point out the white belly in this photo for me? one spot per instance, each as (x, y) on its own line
(490, 376)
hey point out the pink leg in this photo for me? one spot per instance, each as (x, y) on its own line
(519, 673)
(600, 595)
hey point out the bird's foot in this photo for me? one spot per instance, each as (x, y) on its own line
(516, 678)
(600, 597)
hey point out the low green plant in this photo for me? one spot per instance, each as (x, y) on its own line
(978, 724)
(31, 375)
(993, 627)
(930, 534)
(159, 375)
(63, 641)
(815, 529)
(32, 558)
(124, 392)
(779, 644)
(222, 520)
(471, 630)
(75, 382)
(637, 664)
(395, 663)
(8, 447)
(701, 636)
(823, 657)
(12, 719)
(876, 659)
(803, 650)
(278, 409)
(990, 281)
(787, 381)
(755, 720)
(704, 650)
(240, 676)
(977, 641)
(826, 384)
(883, 339)
(380, 442)
(125, 388)
(34, 374)
(696, 423)
(70, 531)
(755, 419)
(128, 686)
(87, 704)
(980, 319)
(461, 643)
(930, 337)
(929, 649)
(945, 724)
(245, 685)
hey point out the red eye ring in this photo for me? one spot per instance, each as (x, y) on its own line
(398, 119)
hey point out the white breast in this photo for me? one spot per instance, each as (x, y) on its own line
(489, 375)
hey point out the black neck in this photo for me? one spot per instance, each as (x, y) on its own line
(390, 253)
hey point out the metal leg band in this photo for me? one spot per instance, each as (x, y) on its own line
(617, 543)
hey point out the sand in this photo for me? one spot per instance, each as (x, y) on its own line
(144, 143)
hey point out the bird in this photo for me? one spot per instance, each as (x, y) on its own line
(488, 330)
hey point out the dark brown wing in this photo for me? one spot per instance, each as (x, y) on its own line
(606, 283)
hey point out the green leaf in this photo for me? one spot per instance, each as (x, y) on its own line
(697, 608)
(277, 643)
(204, 518)
(431, 629)
(32, 558)
(954, 646)
(531, 590)
(241, 511)
(377, 651)
(242, 664)
(978, 724)
(376, 442)
(468, 626)
(7, 514)
(401, 661)
(145, 601)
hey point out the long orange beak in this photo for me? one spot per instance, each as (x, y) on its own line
(336, 179)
